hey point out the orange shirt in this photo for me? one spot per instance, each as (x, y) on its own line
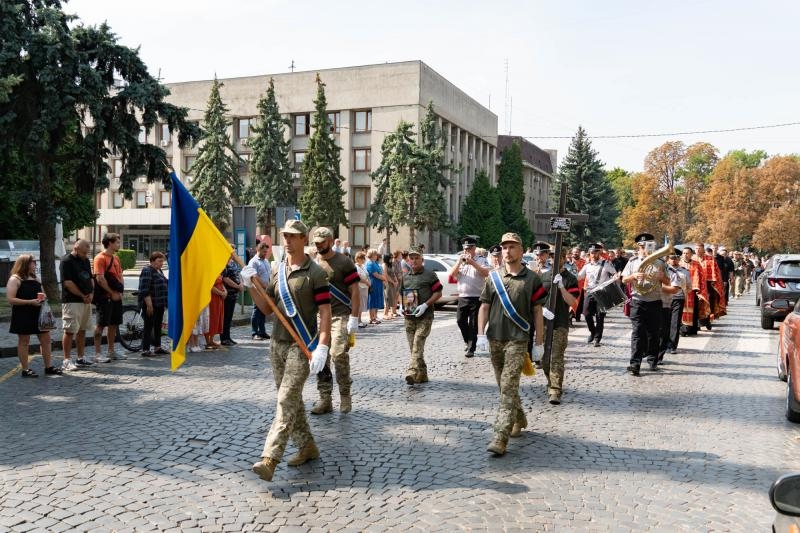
(106, 263)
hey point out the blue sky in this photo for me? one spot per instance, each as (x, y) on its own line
(615, 67)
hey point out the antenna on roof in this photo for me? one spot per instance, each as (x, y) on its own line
(291, 67)
(508, 105)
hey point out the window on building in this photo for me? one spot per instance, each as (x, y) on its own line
(361, 160)
(334, 121)
(142, 135)
(141, 199)
(299, 157)
(244, 127)
(165, 198)
(244, 163)
(188, 163)
(117, 200)
(361, 197)
(358, 235)
(301, 125)
(117, 168)
(363, 120)
(165, 135)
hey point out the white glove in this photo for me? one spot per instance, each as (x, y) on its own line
(557, 280)
(548, 314)
(482, 345)
(420, 310)
(537, 352)
(318, 358)
(352, 325)
(247, 274)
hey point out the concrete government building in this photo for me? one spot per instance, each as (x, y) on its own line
(364, 104)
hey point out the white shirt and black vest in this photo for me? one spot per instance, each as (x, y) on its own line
(597, 273)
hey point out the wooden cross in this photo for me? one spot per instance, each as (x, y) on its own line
(559, 223)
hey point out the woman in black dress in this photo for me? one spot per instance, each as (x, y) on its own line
(23, 291)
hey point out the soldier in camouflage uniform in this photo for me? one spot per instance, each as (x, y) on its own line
(419, 290)
(507, 339)
(308, 287)
(345, 308)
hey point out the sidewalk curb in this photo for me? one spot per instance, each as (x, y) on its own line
(33, 348)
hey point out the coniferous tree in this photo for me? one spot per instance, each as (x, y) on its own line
(270, 176)
(589, 191)
(217, 183)
(431, 211)
(322, 198)
(510, 189)
(58, 75)
(481, 214)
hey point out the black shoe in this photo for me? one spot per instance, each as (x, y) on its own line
(83, 362)
(590, 339)
(708, 327)
(53, 371)
(653, 365)
(634, 369)
(227, 342)
(469, 354)
(597, 343)
(28, 373)
(537, 364)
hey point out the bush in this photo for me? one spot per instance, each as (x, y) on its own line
(127, 258)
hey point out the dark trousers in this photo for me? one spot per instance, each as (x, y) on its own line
(713, 298)
(727, 291)
(151, 336)
(590, 311)
(692, 330)
(646, 320)
(467, 320)
(676, 311)
(663, 332)
(230, 306)
(258, 322)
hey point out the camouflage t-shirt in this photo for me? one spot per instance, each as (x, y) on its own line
(308, 286)
(525, 291)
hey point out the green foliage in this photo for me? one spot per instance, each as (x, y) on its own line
(217, 183)
(620, 180)
(127, 258)
(510, 188)
(589, 191)
(747, 159)
(270, 175)
(322, 198)
(57, 77)
(481, 212)
(431, 209)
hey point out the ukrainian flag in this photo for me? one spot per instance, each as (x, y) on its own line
(197, 255)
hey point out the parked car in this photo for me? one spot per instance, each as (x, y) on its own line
(770, 264)
(441, 265)
(789, 356)
(781, 282)
(784, 495)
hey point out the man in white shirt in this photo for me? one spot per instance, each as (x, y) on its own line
(263, 270)
(595, 272)
(470, 272)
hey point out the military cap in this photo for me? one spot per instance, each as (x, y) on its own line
(469, 240)
(495, 250)
(322, 233)
(643, 238)
(511, 237)
(415, 250)
(541, 247)
(596, 247)
(295, 226)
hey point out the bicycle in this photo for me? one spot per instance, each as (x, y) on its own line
(131, 331)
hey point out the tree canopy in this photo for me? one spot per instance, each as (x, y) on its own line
(511, 192)
(481, 212)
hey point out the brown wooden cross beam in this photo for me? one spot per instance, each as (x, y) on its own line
(559, 223)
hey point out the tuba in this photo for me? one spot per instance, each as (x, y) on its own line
(648, 268)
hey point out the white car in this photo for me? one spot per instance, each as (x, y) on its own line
(441, 265)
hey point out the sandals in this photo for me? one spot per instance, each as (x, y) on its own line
(28, 373)
(53, 371)
(375, 321)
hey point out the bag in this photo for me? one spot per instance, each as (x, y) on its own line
(47, 321)
(100, 296)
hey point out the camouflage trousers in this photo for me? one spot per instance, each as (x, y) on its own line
(290, 368)
(417, 331)
(507, 359)
(553, 364)
(339, 355)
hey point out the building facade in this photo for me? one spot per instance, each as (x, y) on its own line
(364, 104)
(538, 174)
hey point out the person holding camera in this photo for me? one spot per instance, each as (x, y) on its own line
(470, 272)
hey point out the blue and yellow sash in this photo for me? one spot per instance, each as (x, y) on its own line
(291, 310)
(339, 295)
(508, 307)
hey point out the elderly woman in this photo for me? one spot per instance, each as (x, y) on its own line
(153, 302)
(376, 277)
(24, 293)
(363, 284)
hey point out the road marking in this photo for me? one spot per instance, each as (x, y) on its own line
(7, 375)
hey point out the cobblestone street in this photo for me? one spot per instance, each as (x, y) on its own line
(129, 446)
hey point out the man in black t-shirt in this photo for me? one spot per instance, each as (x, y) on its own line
(77, 287)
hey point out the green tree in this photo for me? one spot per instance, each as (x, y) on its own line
(746, 159)
(217, 183)
(270, 176)
(322, 198)
(431, 209)
(590, 192)
(511, 191)
(481, 213)
(71, 95)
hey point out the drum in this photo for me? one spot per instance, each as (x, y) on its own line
(608, 295)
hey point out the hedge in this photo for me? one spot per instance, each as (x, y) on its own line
(127, 258)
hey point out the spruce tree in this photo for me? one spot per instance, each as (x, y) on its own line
(270, 176)
(481, 214)
(511, 191)
(322, 198)
(590, 191)
(217, 183)
(431, 210)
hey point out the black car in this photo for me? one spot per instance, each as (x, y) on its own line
(780, 281)
(784, 495)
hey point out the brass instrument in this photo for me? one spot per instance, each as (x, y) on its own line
(648, 268)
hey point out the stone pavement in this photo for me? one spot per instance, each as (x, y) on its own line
(129, 446)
